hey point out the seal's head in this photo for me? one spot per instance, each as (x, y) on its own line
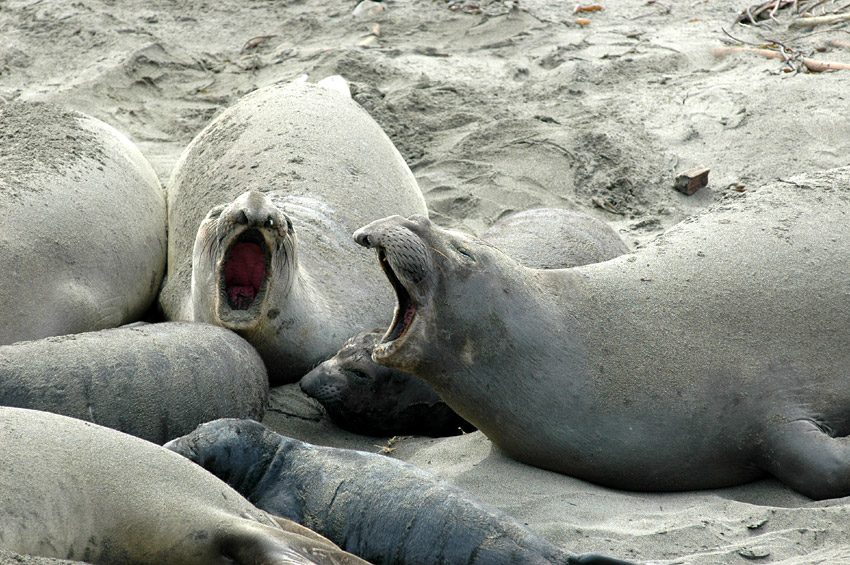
(366, 398)
(443, 281)
(242, 250)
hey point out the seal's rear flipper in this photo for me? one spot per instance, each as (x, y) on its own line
(336, 82)
(253, 543)
(803, 456)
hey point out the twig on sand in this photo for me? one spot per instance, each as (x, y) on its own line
(756, 14)
(816, 66)
(812, 65)
(607, 206)
(818, 20)
(255, 42)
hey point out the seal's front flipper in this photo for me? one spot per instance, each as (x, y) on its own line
(253, 543)
(803, 456)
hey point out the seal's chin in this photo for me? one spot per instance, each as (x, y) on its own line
(405, 312)
(243, 280)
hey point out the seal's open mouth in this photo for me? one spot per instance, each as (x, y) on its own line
(244, 273)
(405, 310)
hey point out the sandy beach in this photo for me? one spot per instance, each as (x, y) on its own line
(500, 106)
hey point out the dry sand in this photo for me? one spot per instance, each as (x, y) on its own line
(510, 108)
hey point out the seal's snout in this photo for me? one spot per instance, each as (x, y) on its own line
(361, 236)
(255, 210)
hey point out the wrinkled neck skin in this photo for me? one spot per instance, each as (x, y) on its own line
(298, 319)
(249, 458)
(469, 344)
(300, 324)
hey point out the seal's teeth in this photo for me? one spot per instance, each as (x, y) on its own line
(381, 350)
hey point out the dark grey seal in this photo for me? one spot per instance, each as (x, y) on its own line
(155, 381)
(366, 398)
(74, 490)
(261, 208)
(82, 225)
(714, 355)
(384, 510)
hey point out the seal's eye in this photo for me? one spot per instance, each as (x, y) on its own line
(359, 375)
(270, 222)
(215, 212)
(289, 226)
(467, 254)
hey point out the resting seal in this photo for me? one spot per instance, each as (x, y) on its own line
(714, 355)
(364, 397)
(384, 510)
(82, 224)
(555, 238)
(262, 204)
(157, 381)
(74, 490)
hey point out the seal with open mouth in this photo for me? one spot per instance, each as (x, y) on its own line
(364, 397)
(261, 207)
(712, 356)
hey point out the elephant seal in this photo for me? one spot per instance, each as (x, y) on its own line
(381, 509)
(363, 397)
(82, 224)
(717, 353)
(74, 490)
(555, 238)
(262, 204)
(156, 381)
(366, 398)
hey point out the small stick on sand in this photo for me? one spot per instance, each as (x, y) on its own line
(818, 20)
(812, 65)
(256, 41)
(822, 66)
(723, 51)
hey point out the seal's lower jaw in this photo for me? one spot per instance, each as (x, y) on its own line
(244, 275)
(406, 315)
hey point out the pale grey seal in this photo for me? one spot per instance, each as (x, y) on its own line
(364, 397)
(555, 238)
(262, 205)
(717, 353)
(154, 381)
(75, 490)
(82, 224)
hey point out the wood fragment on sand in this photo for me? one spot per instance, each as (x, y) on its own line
(818, 20)
(812, 65)
(691, 180)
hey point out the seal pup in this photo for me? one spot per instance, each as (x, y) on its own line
(154, 381)
(262, 204)
(82, 224)
(714, 355)
(381, 509)
(75, 490)
(366, 398)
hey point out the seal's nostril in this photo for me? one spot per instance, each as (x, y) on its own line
(241, 217)
(362, 239)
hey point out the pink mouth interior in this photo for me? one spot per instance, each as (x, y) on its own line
(243, 274)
